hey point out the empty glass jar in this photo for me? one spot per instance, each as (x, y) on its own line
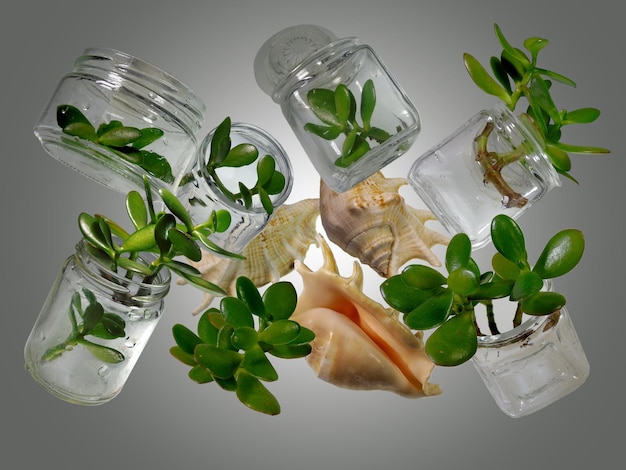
(92, 328)
(350, 115)
(115, 117)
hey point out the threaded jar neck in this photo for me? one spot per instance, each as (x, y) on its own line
(120, 71)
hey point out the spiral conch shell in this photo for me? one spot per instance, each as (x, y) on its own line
(269, 256)
(373, 223)
(359, 344)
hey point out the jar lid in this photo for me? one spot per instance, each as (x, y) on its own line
(284, 51)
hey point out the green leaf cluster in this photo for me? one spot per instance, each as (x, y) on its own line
(430, 300)
(232, 342)
(337, 109)
(269, 181)
(90, 321)
(127, 142)
(167, 235)
(515, 74)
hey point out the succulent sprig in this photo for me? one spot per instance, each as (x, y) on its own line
(429, 299)
(269, 182)
(168, 235)
(515, 74)
(232, 342)
(337, 110)
(126, 141)
(90, 321)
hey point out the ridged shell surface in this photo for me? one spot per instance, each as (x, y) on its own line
(270, 255)
(373, 223)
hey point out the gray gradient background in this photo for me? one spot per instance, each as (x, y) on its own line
(161, 419)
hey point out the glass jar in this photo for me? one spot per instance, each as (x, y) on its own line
(92, 329)
(110, 88)
(532, 365)
(465, 180)
(296, 63)
(204, 195)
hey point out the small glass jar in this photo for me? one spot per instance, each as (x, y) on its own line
(108, 86)
(92, 329)
(304, 59)
(452, 177)
(204, 195)
(533, 365)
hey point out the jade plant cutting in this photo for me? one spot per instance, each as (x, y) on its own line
(167, 235)
(516, 75)
(337, 109)
(269, 180)
(126, 141)
(232, 342)
(428, 299)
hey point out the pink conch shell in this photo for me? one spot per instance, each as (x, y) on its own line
(269, 256)
(373, 223)
(359, 344)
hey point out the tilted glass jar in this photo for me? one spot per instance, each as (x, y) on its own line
(158, 116)
(204, 194)
(92, 328)
(466, 194)
(296, 63)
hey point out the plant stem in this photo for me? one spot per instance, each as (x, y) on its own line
(492, 164)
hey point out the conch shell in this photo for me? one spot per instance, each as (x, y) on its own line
(269, 256)
(359, 344)
(373, 223)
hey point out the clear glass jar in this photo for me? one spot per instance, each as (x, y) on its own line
(107, 86)
(92, 329)
(204, 195)
(451, 181)
(533, 365)
(303, 58)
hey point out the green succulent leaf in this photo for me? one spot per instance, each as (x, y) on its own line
(111, 326)
(240, 155)
(200, 375)
(505, 268)
(483, 80)
(147, 136)
(508, 238)
(325, 132)
(182, 356)
(120, 136)
(422, 277)
(92, 315)
(322, 103)
(528, 283)
(458, 252)
(276, 184)
(454, 342)
(581, 116)
(236, 312)
(252, 393)
(67, 114)
(136, 209)
(81, 130)
(280, 332)
(432, 312)
(499, 72)
(463, 281)
(135, 266)
(401, 296)
(492, 290)
(343, 102)
(103, 353)
(186, 339)
(163, 225)
(220, 143)
(222, 363)
(280, 300)
(184, 244)
(559, 158)
(368, 102)
(244, 338)
(561, 254)
(91, 230)
(141, 240)
(177, 208)
(257, 364)
(207, 330)
(248, 293)
(291, 351)
(543, 303)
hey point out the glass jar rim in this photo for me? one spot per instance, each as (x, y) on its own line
(112, 281)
